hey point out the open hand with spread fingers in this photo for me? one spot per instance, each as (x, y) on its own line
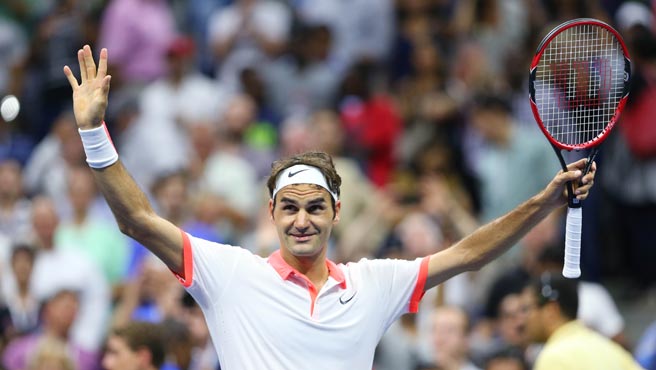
(90, 95)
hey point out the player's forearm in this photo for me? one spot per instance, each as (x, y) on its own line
(488, 241)
(127, 201)
(496, 237)
(136, 218)
(493, 239)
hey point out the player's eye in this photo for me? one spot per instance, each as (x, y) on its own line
(316, 209)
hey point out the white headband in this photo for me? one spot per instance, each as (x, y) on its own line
(301, 174)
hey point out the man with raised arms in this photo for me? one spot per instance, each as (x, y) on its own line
(295, 309)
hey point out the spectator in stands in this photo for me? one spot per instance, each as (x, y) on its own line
(15, 144)
(62, 25)
(181, 96)
(58, 315)
(361, 29)
(90, 233)
(14, 206)
(46, 172)
(135, 346)
(551, 303)
(504, 320)
(57, 268)
(245, 34)
(150, 294)
(510, 358)
(204, 355)
(51, 354)
(450, 339)
(302, 82)
(19, 310)
(371, 121)
(138, 33)
(597, 309)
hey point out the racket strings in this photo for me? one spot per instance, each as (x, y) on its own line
(579, 83)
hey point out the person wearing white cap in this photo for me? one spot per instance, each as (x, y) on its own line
(295, 309)
(633, 13)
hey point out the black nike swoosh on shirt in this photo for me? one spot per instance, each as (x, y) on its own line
(292, 174)
(344, 299)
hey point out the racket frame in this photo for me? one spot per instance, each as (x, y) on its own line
(532, 77)
(571, 268)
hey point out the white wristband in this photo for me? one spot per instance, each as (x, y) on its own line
(98, 147)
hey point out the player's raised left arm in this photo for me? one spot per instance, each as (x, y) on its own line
(493, 239)
(132, 210)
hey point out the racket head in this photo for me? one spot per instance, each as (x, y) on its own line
(579, 82)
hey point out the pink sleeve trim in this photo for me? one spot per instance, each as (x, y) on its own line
(418, 293)
(187, 262)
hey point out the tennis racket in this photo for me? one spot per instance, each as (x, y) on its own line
(578, 85)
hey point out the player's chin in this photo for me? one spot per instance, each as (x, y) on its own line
(304, 249)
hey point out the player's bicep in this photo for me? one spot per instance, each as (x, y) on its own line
(443, 265)
(165, 240)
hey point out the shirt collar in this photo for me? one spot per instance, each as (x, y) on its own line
(285, 270)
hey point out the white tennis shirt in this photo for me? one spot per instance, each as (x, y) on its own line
(263, 314)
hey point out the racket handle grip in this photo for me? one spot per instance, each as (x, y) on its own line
(571, 268)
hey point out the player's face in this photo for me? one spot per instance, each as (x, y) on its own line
(119, 356)
(304, 218)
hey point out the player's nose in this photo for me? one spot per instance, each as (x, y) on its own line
(302, 221)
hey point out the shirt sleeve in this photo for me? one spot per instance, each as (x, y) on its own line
(208, 267)
(400, 284)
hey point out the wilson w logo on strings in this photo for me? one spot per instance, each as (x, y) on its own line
(581, 83)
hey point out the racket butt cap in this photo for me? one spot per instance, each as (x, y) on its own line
(571, 273)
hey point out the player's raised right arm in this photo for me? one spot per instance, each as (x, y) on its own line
(129, 204)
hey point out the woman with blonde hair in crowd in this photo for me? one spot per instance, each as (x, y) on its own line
(51, 354)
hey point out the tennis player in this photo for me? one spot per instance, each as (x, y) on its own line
(295, 309)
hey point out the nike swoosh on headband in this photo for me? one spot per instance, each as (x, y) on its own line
(301, 174)
(292, 174)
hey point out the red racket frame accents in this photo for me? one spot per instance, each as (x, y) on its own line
(532, 77)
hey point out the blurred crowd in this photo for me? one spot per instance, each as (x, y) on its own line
(422, 104)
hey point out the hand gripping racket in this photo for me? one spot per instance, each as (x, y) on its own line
(578, 85)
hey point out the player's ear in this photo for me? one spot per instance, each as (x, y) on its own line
(271, 209)
(338, 207)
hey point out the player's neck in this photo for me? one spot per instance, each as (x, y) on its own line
(313, 267)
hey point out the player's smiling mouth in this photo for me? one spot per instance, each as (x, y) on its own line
(301, 237)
